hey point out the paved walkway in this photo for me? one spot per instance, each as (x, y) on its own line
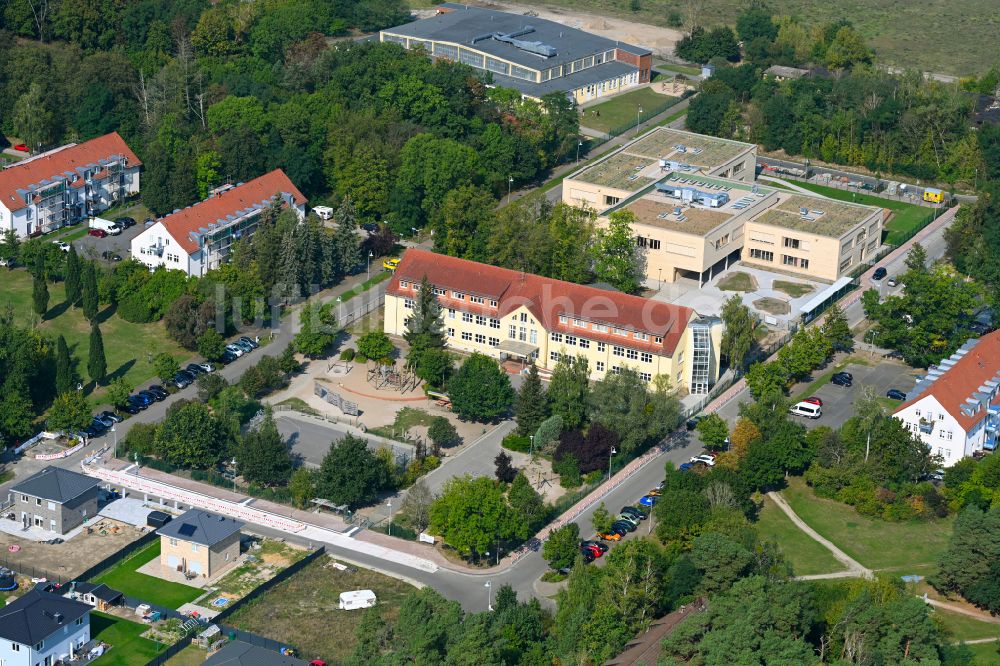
(854, 568)
(962, 610)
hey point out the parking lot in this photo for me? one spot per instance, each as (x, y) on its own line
(91, 247)
(838, 401)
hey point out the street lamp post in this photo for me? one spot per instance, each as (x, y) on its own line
(638, 115)
(114, 432)
(510, 184)
(234, 475)
(659, 278)
(370, 255)
(610, 456)
(532, 438)
(579, 143)
(489, 595)
(414, 230)
(874, 335)
(389, 504)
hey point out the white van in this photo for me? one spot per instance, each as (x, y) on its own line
(323, 212)
(806, 409)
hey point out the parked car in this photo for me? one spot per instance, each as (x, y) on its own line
(685, 467)
(149, 395)
(370, 227)
(895, 394)
(145, 399)
(97, 233)
(158, 392)
(246, 347)
(390, 264)
(62, 245)
(90, 432)
(207, 367)
(813, 400)
(135, 403)
(97, 426)
(603, 547)
(609, 536)
(627, 524)
(593, 550)
(183, 379)
(936, 475)
(250, 341)
(656, 492)
(894, 355)
(703, 459)
(632, 511)
(194, 369)
(587, 555)
(842, 379)
(647, 500)
(110, 256)
(22, 147)
(892, 282)
(879, 274)
(104, 421)
(227, 356)
(621, 529)
(235, 350)
(125, 222)
(692, 422)
(114, 418)
(628, 517)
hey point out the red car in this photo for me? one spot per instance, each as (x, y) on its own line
(813, 400)
(21, 147)
(99, 233)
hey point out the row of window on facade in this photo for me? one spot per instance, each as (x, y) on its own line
(786, 259)
(16, 647)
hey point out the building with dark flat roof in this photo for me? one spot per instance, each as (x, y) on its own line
(238, 653)
(530, 54)
(55, 499)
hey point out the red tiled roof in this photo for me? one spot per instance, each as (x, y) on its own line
(546, 299)
(963, 379)
(215, 208)
(47, 167)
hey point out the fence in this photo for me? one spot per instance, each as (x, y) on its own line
(268, 584)
(120, 556)
(170, 652)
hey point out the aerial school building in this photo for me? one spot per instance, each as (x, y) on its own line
(529, 54)
(699, 210)
(509, 314)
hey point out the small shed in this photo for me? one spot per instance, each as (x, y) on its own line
(357, 599)
(157, 519)
(208, 637)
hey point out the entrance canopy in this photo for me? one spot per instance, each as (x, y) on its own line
(517, 348)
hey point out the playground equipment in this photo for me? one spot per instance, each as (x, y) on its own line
(393, 376)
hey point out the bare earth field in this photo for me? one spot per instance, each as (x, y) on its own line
(956, 37)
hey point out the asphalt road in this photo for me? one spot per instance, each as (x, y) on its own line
(838, 401)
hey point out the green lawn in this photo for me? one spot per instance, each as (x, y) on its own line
(793, 289)
(806, 556)
(906, 217)
(127, 647)
(129, 348)
(192, 655)
(985, 654)
(406, 418)
(125, 578)
(623, 109)
(965, 628)
(738, 281)
(877, 544)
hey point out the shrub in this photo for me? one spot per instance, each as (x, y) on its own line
(548, 433)
(347, 355)
(443, 433)
(361, 358)
(516, 442)
(568, 470)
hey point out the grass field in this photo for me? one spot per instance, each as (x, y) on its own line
(406, 418)
(129, 348)
(876, 544)
(985, 654)
(302, 610)
(906, 217)
(125, 578)
(128, 648)
(965, 628)
(738, 281)
(623, 109)
(793, 289)
(806, 556)
(909, 35)
(192, 655)
(774, 306)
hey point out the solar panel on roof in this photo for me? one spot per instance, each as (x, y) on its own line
(187, 529)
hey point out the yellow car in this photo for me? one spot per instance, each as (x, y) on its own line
(654, 492)
(390, 264)
(609, 536)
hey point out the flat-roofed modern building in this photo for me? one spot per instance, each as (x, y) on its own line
(532, 55)
(696, 226)
(652, 156)
(509, 314)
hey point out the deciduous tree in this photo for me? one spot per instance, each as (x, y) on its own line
(563, 546)
(569, 389)
(69, 412)
(713, 431)
(737, 336)
(617, 259)
(351, 474)
(472, 515)
(480, 390)
(264, 457)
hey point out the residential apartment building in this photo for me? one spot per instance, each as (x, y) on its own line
(529, 54)
(67, 184)
(695, 227)
(200, 543)
(650, 158)
(200, 237)
(513, 315)
(954, 407)
(55, 499)
(41, 628)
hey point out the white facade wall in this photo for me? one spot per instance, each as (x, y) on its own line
(65, 641)
(947, 437)
(173, 255)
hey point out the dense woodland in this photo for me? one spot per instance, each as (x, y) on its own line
(847, 112)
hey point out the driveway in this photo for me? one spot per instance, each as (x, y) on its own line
(91, 247)
(838, 401)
